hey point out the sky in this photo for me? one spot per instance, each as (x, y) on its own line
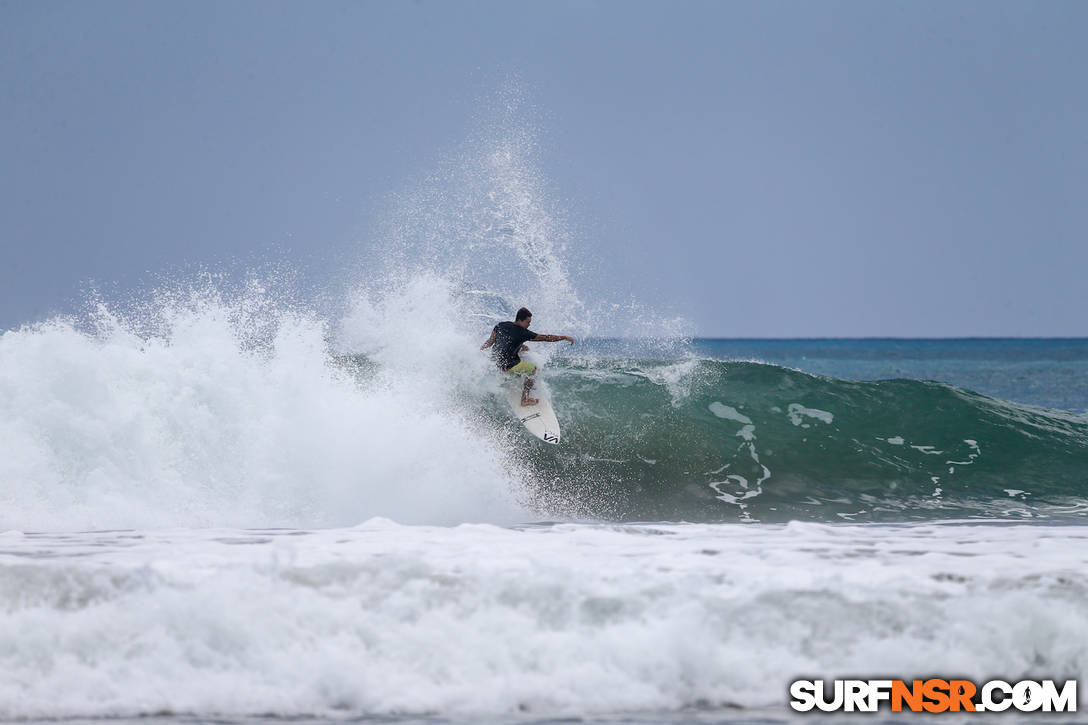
(763, 169)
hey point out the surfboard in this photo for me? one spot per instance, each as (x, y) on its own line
(538, 419)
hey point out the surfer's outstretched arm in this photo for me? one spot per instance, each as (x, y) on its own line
(490, 341)
(553, 338)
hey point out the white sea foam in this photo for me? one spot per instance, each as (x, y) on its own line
(204, 422)
(728, 412)
(797, 413)
(384, 618)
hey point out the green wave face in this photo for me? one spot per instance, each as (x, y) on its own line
(726, 441)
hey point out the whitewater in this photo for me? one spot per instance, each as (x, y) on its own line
(219, 502)
(479, 621)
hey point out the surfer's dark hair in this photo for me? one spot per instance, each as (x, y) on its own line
(523, 314)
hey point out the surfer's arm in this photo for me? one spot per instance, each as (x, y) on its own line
(553, 338)
(490, 341)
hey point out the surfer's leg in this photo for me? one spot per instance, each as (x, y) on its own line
(528, 370)
(525, 399)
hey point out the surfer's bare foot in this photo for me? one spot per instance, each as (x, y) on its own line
(529, 401)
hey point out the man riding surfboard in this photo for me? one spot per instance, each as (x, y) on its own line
(507, 339)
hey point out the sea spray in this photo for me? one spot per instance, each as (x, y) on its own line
(488, 218)
(207, 421)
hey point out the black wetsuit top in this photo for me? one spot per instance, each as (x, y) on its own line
(508, 338)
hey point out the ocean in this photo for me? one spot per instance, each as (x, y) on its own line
(202, 528)
(224, 500)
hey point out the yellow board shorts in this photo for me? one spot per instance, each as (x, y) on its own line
(522, 368)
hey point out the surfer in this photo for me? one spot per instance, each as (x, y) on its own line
(508, 339)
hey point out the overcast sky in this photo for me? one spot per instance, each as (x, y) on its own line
(763, 169)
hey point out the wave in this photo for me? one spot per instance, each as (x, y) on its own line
(706, 440)
(211, 420)
(206, 423)
(483, 621)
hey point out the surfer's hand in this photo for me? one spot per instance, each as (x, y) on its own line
(523, 348)
(565, 337)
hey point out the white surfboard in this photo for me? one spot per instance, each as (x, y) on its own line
(538, 419)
